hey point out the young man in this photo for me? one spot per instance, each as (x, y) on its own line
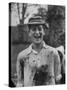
(39, 64)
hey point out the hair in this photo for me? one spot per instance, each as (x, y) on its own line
(30, 25)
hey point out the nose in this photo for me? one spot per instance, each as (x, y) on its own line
(37, 31)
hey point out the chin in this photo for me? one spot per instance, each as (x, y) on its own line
(37, 42)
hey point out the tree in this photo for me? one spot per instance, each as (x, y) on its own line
(56, 20)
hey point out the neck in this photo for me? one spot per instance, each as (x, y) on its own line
(37, 47)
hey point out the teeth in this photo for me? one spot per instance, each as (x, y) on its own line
(37, 36)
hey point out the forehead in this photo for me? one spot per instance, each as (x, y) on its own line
(35, 25)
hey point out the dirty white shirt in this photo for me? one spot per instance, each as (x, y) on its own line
(29, 60)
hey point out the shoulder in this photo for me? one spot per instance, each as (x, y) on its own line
(51, 49)
(23, 53)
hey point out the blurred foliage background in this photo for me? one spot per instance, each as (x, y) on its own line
(54, 15)
(55, 34)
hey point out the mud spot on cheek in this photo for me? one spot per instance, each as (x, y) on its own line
(48, 55)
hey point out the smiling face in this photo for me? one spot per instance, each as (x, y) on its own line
(36, 33)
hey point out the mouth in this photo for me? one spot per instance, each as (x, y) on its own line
(37, 36)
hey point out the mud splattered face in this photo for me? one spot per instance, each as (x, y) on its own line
(36, 33)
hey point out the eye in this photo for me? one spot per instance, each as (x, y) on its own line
(34, 29)
(39, 28)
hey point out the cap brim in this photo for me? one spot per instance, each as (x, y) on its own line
(39, 23)
(36, 23)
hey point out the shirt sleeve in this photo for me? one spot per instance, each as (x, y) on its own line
(57, 66)
(19, 68)
(63, 64)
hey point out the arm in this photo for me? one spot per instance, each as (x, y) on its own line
(57, 67)
(63, 64)
(20, 73)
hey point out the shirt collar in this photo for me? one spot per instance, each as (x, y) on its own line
(32, 50)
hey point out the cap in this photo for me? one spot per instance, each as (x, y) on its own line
(34, 16)
(35, 19)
